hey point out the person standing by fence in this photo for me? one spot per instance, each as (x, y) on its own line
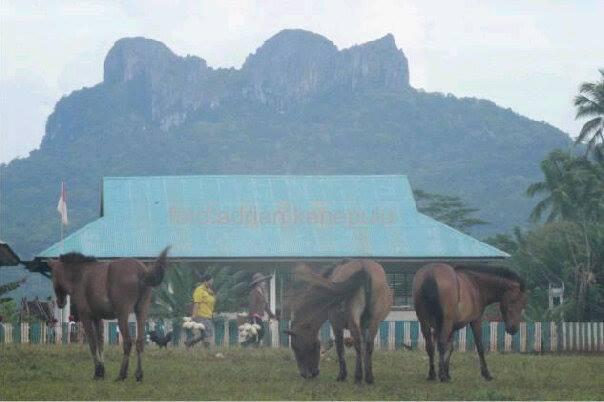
(259, 303)
(203, 309)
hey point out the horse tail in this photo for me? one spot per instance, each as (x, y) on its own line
(155, 275)
(367, 311)
(428, 294)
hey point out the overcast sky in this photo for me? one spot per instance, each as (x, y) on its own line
(530, 56)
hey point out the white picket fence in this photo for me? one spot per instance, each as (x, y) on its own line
(532, 337)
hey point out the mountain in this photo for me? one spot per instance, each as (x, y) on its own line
(298, 105)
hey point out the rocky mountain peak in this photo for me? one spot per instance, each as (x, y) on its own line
(291, 67)
(295, 64)
(130, 58)
(378, 62)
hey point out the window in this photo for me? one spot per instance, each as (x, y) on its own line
(400, 284)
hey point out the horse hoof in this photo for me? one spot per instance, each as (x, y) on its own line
(487, 377)
(341, 378)
(99, 372)
(139, 377)
(358, 380)
(369, 380)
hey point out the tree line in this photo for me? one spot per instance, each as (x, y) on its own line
(565, 245)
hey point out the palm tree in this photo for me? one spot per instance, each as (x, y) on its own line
(7, 287)
(590, 104)
(572, 189)
(173, 297)
(8, 309)
(558, 200)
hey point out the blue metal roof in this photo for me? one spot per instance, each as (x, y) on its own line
(266, 217)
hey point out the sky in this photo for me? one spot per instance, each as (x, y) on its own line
(528, 56)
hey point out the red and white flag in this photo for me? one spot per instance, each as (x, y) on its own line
(62, 206)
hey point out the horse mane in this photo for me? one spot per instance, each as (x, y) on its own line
(308, 303)
(496, 270)
(75, 258)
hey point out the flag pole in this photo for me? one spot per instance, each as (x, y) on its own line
(67, 308)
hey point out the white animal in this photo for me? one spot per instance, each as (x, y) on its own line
(188, 323)
(248, 331)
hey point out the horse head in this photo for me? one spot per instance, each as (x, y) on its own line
(307, 349)
(512, 304)
(59, 282)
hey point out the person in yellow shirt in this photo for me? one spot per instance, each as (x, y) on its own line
(203, 310)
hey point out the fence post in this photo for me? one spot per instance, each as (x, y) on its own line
(462, 339)
(24, 332)
(493, 336)
(538, 336)
(391, 335)
(407, 333)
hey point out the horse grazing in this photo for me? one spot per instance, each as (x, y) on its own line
(353, 295)
(108, 290)
(447, 299)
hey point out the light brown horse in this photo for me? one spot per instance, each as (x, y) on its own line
(447, 299)
(353, 295)
(108, 290)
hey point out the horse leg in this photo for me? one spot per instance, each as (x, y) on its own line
(123, 324)
(484, 370)
(448, 358)
(443, 348)
(92, 343)
(368, 336)
(141, 316)
(427, 333)
(100, 367)
(355, 331)
(339, 335)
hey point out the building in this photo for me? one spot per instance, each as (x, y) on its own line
(273, 222)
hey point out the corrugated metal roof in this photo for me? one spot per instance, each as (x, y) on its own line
(266, 217)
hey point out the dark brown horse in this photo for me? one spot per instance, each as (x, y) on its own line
(354, 295)
(447, 299)
(108, 290)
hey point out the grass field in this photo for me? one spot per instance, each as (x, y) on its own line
(55, 372)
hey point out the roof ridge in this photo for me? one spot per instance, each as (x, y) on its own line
(252, 175)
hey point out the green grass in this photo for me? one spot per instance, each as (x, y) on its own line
(59, 372)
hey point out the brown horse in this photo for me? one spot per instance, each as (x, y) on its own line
(108, 290)
(447, 299)
(354, 295)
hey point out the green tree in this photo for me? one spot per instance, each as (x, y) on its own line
(8, 308)
(555, 253)
(450, 210)
(173, 297)
(573, 197)
(590, 104)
